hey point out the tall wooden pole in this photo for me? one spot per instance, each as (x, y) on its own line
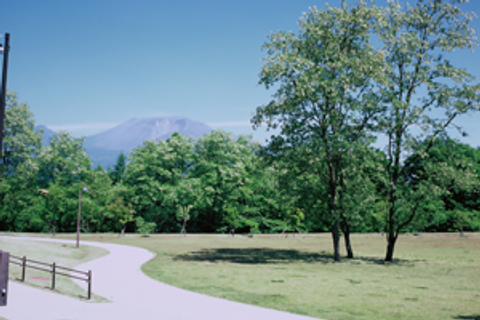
(79, 214)
(3, 97)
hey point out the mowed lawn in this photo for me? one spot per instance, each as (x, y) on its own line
(435, 276)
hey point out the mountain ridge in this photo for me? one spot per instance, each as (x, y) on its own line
(104, 147)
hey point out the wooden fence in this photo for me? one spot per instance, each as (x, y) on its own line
(52, 269)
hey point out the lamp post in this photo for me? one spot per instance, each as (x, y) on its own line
(80, 212)
(3, 97)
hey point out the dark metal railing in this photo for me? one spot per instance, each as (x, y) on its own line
(52, 269)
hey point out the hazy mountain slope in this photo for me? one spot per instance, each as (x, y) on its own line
(132, 133)
(47, 134)
(104, 148)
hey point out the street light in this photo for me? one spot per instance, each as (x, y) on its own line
(3, 97)
(79, 211)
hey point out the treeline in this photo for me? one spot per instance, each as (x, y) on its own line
(219, 184)
(335, 91)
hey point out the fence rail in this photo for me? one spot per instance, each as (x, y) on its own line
(52, 269)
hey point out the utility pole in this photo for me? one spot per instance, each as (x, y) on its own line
(79, 215)
(3, 97)
(79, 218)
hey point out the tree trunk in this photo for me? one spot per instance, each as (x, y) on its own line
(348, 245)
(283, 232)
(346, 235)
(390, 247)
(184, 228)
(336, 241)
(122, 233)
(334, 214)
(391, 236)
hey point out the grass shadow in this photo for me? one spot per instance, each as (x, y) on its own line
(471, 317)
(253, 256)
(272, 256)
(381, 261)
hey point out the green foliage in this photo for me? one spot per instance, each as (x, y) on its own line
(21, 144)
(183, 213)
(414, 39)
(64, 160)
(144, 227)
(154, 174)
(118, 173)
(453, 169)
(324, 102)
(224, 168)
(334, 92)
(20, 206)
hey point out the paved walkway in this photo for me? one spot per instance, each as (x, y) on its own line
(117, 277)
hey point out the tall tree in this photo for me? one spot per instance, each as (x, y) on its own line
(325, 76)
(157, 167)
(223, 167)
(414, 38)
(118, 173)
(64, 160)
(20, 141)
(20, 202)
(63, 168)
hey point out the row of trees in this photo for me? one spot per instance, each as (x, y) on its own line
(218, 184)
(334, 93)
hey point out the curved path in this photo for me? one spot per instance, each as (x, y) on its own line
(133, 295)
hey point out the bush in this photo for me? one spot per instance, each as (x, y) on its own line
(145, 228)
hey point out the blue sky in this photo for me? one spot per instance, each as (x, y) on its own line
(86, 66)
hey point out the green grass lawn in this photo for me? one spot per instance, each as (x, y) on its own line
(65, 255)
(436, 276)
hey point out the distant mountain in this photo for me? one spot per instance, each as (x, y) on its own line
(104, 148)
(47, 134)
(132, 133)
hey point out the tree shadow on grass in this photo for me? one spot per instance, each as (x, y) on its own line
(380, 261)
(272, 256)
(471, 317)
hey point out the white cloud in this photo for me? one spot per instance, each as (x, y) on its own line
(83, 126)
(230, 124)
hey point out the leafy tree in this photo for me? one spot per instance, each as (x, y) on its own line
(155, 168)
(294, 218)
(325, 98)
(96, 200)
(20, 203)
(122, 213)
(64, 160)
(118, 173)
(223, 166)
(454, 168)
(62, 167)
(20, 141)
(413, 38)
(183, 215)
(54, 196)
(143, 227)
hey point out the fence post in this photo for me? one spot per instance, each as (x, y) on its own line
(24, 265)
(53, 276)
(89, 283)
